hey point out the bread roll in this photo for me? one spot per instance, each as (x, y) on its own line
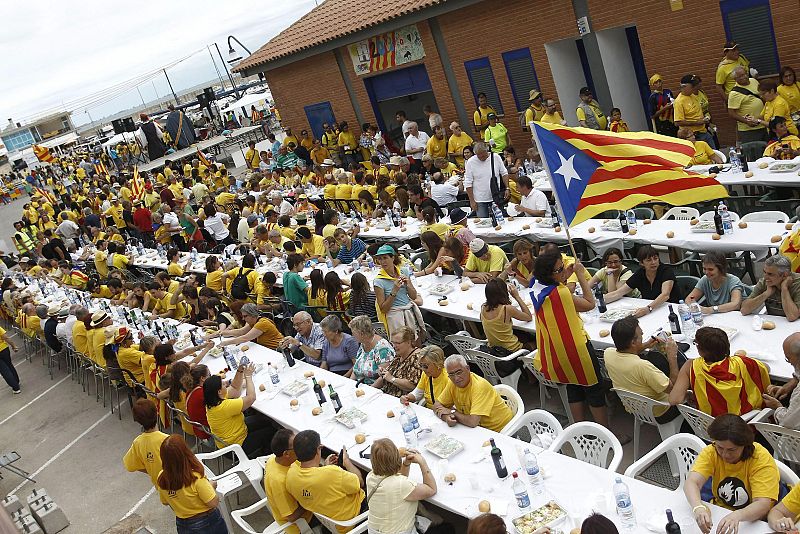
(526, 226)
(604, 333)
(591, 229)
(262, 387)
(670, 234)
(390, 414)
(742, 224)
(443, 302)
(768, 325)
(775, 238)
(748, 174)
(715, 237)
(484, 507)
(360, 393)
(694, 221)
(632, 231)
(360, 438)
(316, 411)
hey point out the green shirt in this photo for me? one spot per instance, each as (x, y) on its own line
(498, 134)
(294, 289)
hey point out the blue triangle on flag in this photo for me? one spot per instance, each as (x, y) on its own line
(570, 170)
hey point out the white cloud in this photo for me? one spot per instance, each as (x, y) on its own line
(54, 52)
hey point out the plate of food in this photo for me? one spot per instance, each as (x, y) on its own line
(296, 388)
(441, 289)
(616, 314)
(784, 166)
(729, 330)
(215, 352)
(544, 516)
(611, 225)
(444, 446)
(350, 417)
(483, 223)
(704, 227)
(544, 222)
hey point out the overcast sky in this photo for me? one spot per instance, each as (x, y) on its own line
(54, 52)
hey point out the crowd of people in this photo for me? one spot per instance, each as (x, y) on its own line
(81, 227)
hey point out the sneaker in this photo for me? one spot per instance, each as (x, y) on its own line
(17, 391)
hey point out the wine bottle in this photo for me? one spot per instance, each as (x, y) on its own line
(319, 392)
(601, 300)
(497, 458)
(674, 323)
(337, 403)
(287, 353)
(672, 527)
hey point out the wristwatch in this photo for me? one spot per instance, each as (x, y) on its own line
(649, 307)
(716, 309)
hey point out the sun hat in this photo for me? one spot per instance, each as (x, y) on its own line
(478, 247)
(534, 94)
(457, 215)
(327, 163)
(98, 317)
(395, 161)
(53, 310)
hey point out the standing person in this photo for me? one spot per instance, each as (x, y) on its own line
(745, 105)
(145, 452)
(774, 105)
(415, 144)
(496, 134)
(565, 353)
(396, 299)
(180, 128)
(536, 110)
(480, 119)
(497, 313)
(485, 180)
(347, 146)
(434, 119)
(789, 89)
(151, 137)
(182, 486)
(589, 113)
(458, 140)
(7, 370)
(732, 58)
(688, 111)
(660, 105)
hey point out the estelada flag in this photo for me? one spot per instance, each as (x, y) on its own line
(137, 187)
(42, 154)
(47, 195)
(790, 247)
(100, 168)
(733, 385)
(562, 354)
(203, 159)
(594, 171)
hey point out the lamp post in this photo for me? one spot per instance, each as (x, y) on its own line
(230, 76)
(233, 55)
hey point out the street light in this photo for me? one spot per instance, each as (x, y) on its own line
(233, 55)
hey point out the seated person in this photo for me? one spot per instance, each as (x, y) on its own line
(521, 267)
(703, 153)
(778, 289)
(484, 261)
(327, 489)
(744, 477)
(339, 349)
(783, 144)
(285, 508)
(722, 291)
(721, 383)
(788, 417)
(781, 517)
(631, 369)
(613, 274)
(256, 328)
(307, 343)
(470, 399)
(497, 313)
(433, 381)
(313, 245)
(532, 202)
(655, 281)
(572, 280)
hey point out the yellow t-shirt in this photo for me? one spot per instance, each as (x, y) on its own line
(436, 147)
(125, 193)
(270, 335)
(280, 500)
(439, 228)
(79, 337)
(779, 108)
(315, 247)
(573, 278)
(478, 398)
(480, 116)
(736, 485)
(120, 261)
(533, 114)
(100, 264)
(145, 453)
(291, 139)
(496, 262)
(226, 421)
(252, 278)
(456, 144)
(97, 340)
(725, 68)
(190, 500)
(688, 108)
(791, 93)
(130, 358)
(252, 157)
(635, 374)
(602, 121)
(214, 280)
(439, 385)
(174, 269)
(102, 292)
(3, 344)
(702, 153)
(344, 191)
(357, 188)
(792, 501)
(347, 141)
(329, 490)
(746, 105)
(329, 191)
(115, 211)
(328, 230)
(551, 118)
(164, 304)
(225, 198)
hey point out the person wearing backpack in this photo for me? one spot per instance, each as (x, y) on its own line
(242, 279)
(745, 105)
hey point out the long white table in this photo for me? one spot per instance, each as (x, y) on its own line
(578, 487)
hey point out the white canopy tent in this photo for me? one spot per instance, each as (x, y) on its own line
(246, 101)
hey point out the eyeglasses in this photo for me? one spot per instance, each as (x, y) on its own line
(559, 270)
(455, 374)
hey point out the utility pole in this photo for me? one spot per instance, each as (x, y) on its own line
(177, 102)
(230, 77)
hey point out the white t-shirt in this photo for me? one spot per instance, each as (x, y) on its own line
(216, 227)
(170, 220)
(286, 208)
(536, 200)
(416, 143)
(478, 175)
(444, 193)
(388, 510)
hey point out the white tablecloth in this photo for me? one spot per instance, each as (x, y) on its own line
(755, 238)
(392, 233)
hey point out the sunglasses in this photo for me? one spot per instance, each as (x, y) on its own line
(559, 270)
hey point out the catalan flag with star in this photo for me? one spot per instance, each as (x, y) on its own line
(594, 171)
(733, 385)
(562, 354)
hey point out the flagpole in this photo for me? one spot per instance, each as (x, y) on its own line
(553, 187)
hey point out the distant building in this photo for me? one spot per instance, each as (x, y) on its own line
(17, 137)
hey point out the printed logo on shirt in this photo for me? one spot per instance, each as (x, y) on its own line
(172, 493)
(150, 457)
(307, 494)
(733, 493)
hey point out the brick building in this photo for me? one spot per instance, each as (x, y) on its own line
(360, 60)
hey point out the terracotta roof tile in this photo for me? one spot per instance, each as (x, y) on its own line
(331, 20)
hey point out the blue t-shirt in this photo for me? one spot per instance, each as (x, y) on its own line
(357, 249)
(401, 299)
(718, 297)
(341, 358)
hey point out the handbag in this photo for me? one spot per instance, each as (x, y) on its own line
(497, 187)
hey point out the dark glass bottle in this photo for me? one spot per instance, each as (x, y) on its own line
(497, 458)
(319, 392)
(337, 403)
(674, 322)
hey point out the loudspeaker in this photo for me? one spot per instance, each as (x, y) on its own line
(118, 126)
(130, 126)
(209, 92)
(202, 100)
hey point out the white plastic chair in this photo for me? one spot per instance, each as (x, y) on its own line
(773, 216)
(721, 155)
(699, 421)
(709, 216)
(247, 471)
(514, 401)
(488, 366)
(788, 476)
(463, 341)
(681, 213)
(359, 522)
(684, 447)
(641, 408)
(272, 528)
(380, 329)
(591, 443)
(538, 423)
(785, 441)
(544, 383)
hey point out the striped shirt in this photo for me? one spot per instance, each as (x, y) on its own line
(357, 248)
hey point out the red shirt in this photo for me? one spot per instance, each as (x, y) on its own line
(167, 197)
(196, 408)
(143, 219)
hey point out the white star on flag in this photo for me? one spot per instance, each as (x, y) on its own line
(567, 169)
(539, 292)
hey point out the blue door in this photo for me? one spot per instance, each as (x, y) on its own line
(317, 115)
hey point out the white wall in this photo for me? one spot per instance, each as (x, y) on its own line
(621, 78)
(565, 64)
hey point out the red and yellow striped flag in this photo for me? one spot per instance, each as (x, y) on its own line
(594, 171)
(790, 247)
(203, 159)
(562, 354)
(42, 154)
(100, 168)
(733, 385)
(137, 185)
(47, 195)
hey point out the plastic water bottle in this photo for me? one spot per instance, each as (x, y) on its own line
(408, 430)
(141, 249)
(273, 373)
(631, 215)
(370, 263)
(758, 322)
(534, 473)
(194, 254)
(412, 414)
(329, 263)
(687, 324)
(733, 159)
(498, 214)
(622, 497)
(727, 223)
(697, 315)
(160, 249)
(521, 493)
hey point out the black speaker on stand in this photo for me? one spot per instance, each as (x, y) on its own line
(210, 95)
(130, 125)
(118, 126)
